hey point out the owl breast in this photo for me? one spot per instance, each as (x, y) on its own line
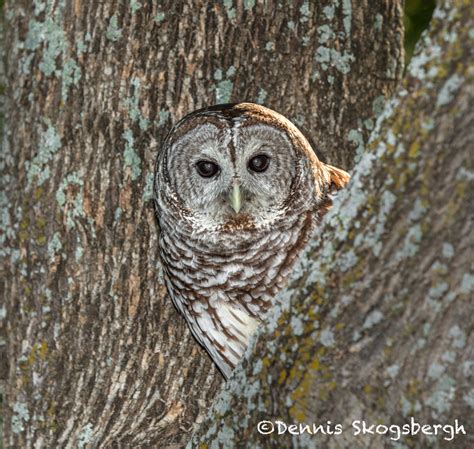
(225, 285)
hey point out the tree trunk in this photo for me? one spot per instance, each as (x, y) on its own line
(96, 354)
(376, 323)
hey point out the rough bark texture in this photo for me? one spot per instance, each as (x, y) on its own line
(96, 354)
(376, 324)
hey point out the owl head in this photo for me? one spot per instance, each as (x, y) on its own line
(241, 167)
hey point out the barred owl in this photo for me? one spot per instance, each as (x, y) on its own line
(238, 192)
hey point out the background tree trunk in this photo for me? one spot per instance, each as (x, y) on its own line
(96, 354)
(377, 322)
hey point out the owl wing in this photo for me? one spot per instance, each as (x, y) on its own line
(227, 333)
(222, 328)
(336, 180)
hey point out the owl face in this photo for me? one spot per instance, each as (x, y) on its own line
(231, 171)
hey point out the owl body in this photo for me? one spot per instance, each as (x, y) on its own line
(239, 192)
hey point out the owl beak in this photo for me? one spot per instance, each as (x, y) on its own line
(235, 198)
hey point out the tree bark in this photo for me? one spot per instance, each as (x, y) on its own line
(97, 356)
(376, 323)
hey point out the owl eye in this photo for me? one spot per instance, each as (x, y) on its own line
(259, 163)
(206, 169)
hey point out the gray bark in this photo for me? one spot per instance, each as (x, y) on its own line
(96, 354)
(376, 323)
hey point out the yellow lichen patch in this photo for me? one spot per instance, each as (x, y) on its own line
(32, 355)
(23, 235)
(321, 351)
(24, 223)
(297, 414)
(408, 330)
(282, 320)
(452, 208)
(40, 223)
(319, 300)
(401, 181)
(266, 362)
(372, 203)
(51, 412)
(413, 388)
(41, 240)
(381, 402)
(300, 396)
(38, 350)
(37, 193)
(43, 350)
(282, 377)
(367, 389)
(414, 150)
(310, 371)
(294, 373)
(312, 315)
(326, 373)
(461, 188)
(425, 227)
(315, 365)
(442, 72)
(354, 274)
